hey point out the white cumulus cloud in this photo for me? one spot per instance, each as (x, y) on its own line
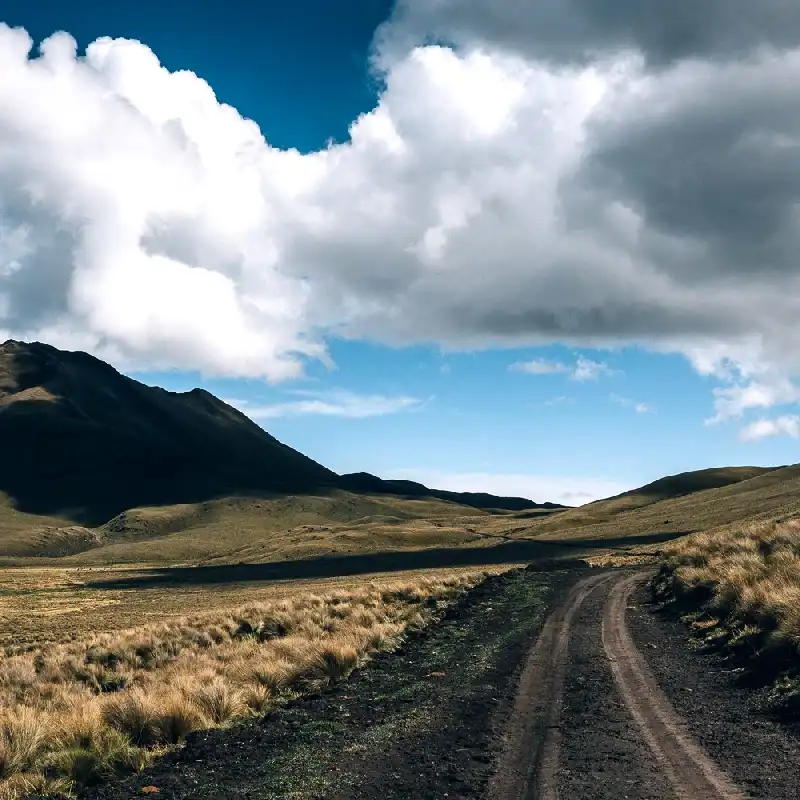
(539, 366)
(584, 368)
(561, 176)
(782, 426)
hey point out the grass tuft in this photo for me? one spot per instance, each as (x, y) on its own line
(746, 583)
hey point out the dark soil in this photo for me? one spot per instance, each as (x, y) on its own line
(423, 722)
(729, 719)
(602, 751)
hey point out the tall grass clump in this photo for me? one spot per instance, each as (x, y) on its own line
(741, 589)
(79, 713)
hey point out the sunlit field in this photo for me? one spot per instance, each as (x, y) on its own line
(94, 683)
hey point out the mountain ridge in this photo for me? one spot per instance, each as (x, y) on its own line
(91, 443)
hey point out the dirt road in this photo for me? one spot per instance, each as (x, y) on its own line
(538, 686)
(529, 761)
(689, 769)
(590, 719)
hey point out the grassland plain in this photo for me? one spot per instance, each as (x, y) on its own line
(739, 590)
(259, 529)
(246, 529)
(89, 689)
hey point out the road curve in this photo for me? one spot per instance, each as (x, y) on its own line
(690, 770)
(528, 766)
(528, 761)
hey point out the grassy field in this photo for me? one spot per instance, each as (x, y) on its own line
(269, 529)
(232, 530)
(742, 588)
(94, 682)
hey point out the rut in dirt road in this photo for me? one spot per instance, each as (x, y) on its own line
(529, 760)
(690, 770)
(653, 743)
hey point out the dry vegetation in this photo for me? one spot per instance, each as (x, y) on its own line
(79, 711)
(241, 529)
(745, 583)
(751, 495)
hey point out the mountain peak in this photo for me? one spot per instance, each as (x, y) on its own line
(105, 442)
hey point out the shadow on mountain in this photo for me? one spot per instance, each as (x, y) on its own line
(84, 442)
(545, 554)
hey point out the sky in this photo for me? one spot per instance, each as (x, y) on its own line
(542, 249)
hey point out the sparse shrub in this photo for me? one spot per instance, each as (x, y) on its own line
(179, 715)
(22, 735)
(108, 754)
(748, 579)
(258, 698)
(133, 713)
(275, 627)
(274, 674)
(336, 660)
(219, 701)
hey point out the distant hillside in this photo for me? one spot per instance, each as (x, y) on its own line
(81, 440)
(676, 486)
(723, 497)
(364, 483)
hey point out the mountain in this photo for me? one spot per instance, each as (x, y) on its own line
(364, 483)
(81, 441)
(84, 441)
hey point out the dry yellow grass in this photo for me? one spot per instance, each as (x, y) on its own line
(241, 529)
(80, 711)
(747, 580)
(771, 496)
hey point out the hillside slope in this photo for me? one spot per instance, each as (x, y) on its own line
(82, 441)
(671, 487)
(772, 494)
(94, 460)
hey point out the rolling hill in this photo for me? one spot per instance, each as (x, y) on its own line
(689, 502)
(364, 483)
(99, 468)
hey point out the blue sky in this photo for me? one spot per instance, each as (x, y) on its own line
(482, 284)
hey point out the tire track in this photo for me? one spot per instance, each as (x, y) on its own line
(528, 762)
(690, 770)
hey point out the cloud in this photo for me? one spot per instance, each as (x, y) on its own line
(582, 30)
(588, 370)
(626, 402)
(624, 178)
(539, 366)
(559, 401)
(732, 401)
(782, 426)
(347, 405)
(584, 369)
(539, 488)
